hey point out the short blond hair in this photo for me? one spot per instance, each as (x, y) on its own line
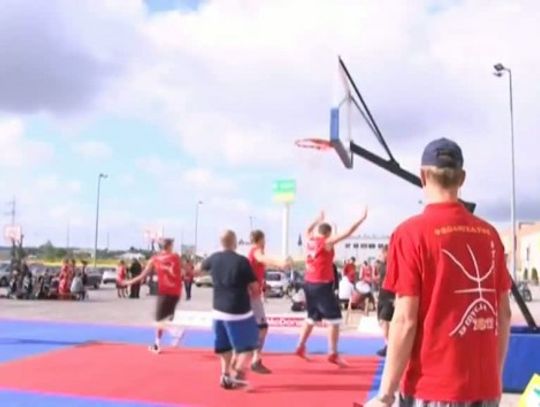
(228, 239)
(445, 178)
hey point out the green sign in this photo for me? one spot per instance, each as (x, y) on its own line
(284, 190)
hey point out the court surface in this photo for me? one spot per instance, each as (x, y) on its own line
(73, 364)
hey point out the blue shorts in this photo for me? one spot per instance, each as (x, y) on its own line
(240, 336)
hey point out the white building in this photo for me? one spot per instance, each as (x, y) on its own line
(363, 247)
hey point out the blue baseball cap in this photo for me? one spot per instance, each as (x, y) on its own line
(442, 153)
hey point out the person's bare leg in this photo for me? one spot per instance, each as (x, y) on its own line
(385, 326)
(262, 338)
(226, 359)
(366, 306)
(333, 338)
(307, 329)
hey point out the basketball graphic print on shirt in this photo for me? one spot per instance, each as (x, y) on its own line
(481, 313)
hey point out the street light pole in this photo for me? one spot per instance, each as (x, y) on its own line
(199, 203)
(499, 71)
(100, 177)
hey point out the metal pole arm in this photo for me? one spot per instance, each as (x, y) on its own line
(394, 168)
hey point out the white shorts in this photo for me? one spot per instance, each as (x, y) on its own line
(257, 305)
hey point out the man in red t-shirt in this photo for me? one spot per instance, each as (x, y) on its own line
(349, 270)
(449, 333)
(321, 301)
(189, 276)
(168, 266)
(259, 261)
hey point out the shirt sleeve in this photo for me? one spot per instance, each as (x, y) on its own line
(403, 275)
(504, 281)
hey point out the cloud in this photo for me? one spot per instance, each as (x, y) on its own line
(92, 149)
(19, 152)
(58, 56)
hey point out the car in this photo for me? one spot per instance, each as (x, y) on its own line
(94, 278)
(5, 274)
(277, 283)
(109, 276)
(203, 281)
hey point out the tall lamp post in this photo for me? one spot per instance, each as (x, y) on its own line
(100, 177)
(500, 69)
(199, 203)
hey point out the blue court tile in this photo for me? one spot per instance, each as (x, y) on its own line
(30, 399)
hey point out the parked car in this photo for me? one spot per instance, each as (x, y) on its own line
(109, 276)
(5, 274)
(277, 283)
(94, 278)
(203, 281)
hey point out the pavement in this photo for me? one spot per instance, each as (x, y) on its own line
(104, 308)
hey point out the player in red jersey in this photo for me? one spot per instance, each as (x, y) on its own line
(321, 301)
(168, 266)
(349, 270)
(259, 261)
(449, 333)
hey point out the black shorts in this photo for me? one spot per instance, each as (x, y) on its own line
(165, 307)
(385, 306)
(322, 303)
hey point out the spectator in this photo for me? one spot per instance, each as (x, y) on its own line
(350, 270)
(135, 270)
(84, 276)
(64, 280)
(121, 275)
(367, 274)
(189, 275)
(77, 287)
(449, 334)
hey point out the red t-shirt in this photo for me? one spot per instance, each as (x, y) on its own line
(350, 272)
(190, 273)
(121, 273)
(258, 268)
(454, 262)
(169, 272)
(319, 262)
(367, 274)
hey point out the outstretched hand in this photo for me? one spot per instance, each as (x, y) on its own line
(321, 217)
(364, 214)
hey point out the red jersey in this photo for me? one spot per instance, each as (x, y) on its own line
(367, 274)
(454, 263)
(258, 268)
(350, 272)
(190, 273)
(319, 262)
(121, 273)
(169, 272)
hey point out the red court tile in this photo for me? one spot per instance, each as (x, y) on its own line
(186, 376)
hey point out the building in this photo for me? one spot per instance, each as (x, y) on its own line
(527, 247)
(363, 247)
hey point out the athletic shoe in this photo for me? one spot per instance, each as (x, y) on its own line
(301, 352)
(336, 360)
(258, 367)
(382, 352)
(155, 349)
(239, 381)
(226, 382)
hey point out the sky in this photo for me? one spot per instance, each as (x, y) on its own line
(187, 101)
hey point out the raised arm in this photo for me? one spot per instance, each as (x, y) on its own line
(270, 261)
(313, 225)
(142, 276)
(333, 240)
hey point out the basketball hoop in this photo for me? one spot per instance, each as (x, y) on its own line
(318, 144)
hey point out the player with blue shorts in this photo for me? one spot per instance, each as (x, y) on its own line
(235, 329)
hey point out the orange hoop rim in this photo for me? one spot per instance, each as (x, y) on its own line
(314, 143)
